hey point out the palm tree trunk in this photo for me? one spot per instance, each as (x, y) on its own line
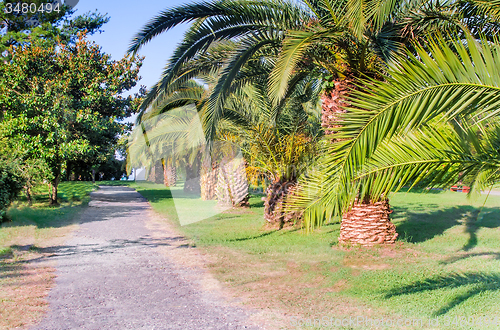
(208, 178)
(169, 174)
(368, 224)
(158, 176)
(192, 183)
(156, 173)
(232, 184)
(332, 103)
(151, 174)
(274, 204)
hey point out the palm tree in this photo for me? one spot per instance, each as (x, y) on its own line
(190, 88)
(392, 137)
(232, 184)
(353, 40)
(338, 40)
(277, 152)
(176, 137)
(166, 140)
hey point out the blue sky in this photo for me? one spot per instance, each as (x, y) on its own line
(126, 18)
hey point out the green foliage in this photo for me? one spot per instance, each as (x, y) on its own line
(112, 169)
(231, 24)
(390, 137)
(21, 28)
(299, 42)
(279, 149)
(174, 137)
(61, 102)
(18, 27)
(11, 184)
(302, 40)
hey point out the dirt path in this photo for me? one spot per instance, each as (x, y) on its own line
(117, 273)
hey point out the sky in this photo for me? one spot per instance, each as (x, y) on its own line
(127, 17)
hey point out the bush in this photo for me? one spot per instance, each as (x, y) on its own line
(11, 184)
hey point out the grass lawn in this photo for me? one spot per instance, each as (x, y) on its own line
(445, 268)
(25, 283)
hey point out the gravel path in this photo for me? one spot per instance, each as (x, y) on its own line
(112, 275)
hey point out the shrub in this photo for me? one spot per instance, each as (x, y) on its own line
(11, 184)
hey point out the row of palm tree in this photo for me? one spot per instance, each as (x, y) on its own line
(276, 148)
(395, 78)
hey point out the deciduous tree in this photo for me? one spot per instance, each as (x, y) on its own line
(62, 102)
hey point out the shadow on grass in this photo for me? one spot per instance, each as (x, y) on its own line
(42, 217)
(12, 271)
(157, 195)
(122, 201)
(256, 200)
(248, 238)
(477, 283)
(422, 226)
(492, 255)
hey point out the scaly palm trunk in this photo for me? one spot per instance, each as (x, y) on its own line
(169, 174)
(208, 178)
(151, 175)
(332, 103)
(274, 208)
(366, 223)
(192, 183)
(156, 173)
(159, 172)
(232, 184)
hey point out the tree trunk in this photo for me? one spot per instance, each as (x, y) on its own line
(192, 183)
(274, 204)
(151, 174)
(93, 176)
(332, 103)
(28, 195)
(158, 175)
(232, 183)
(169, 174)
(53, 192)
(208, 178)
(368, 224)
(68, 172)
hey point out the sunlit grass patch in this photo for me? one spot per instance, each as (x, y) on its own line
(445, 264)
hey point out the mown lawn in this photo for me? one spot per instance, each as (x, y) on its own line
(444, 270)
(26, 274)
(39, 221)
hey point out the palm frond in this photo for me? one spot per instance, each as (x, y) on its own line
(247, 48)
(434, 157)
(294, 48)
(450, 81)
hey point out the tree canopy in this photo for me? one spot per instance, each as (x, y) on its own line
(62, 102)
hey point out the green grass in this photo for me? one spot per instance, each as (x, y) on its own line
(29, 225)
(25, 242)
(446, 264)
